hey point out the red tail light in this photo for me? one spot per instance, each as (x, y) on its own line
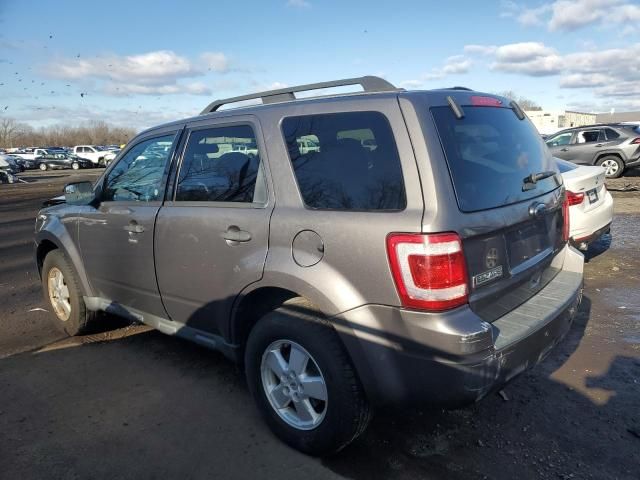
(575, 198)
(429, 270)
(635, 141)
(565, 219)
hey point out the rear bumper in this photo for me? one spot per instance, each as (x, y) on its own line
(588, 226)
(455, 358)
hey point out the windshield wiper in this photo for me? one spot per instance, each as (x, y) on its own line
(529, 182)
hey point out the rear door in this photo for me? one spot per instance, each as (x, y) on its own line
(586, 144)
(212, 233)
(511, 225)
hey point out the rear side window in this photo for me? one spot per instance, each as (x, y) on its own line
(221, 165)
(345, 161)
(611, 134)
(588, 136)
(490, 152)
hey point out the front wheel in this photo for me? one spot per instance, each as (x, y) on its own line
(62, 293)
(75, 166)
(613, 166)
(43, 166)
(303, 382)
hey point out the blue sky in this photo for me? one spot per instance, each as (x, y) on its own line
(139, 63)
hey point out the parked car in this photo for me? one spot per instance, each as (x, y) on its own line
(98, 155)
(61, 160)
(590, 204)
(7, 177)
(9, 164)
(25, 163)
(429, 270)
(615, 147)
(30, 153)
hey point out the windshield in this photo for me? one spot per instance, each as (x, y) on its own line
(490, 152)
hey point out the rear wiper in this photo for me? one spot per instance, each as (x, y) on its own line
(529, 182)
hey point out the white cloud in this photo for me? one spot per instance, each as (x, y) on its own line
(412, 84)
(152, 73)
(148, 68)
(480, 49)
(298, 4)
(455, 65)
(569, 15)
(583, 80)
(124, 89)
(215, 61)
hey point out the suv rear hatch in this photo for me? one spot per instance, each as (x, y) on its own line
(510, 197)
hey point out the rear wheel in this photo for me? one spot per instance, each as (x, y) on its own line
(75, 166)
(62, 293)
(43, 166)
(613, 166)
(303, 382)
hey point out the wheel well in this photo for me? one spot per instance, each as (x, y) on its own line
(44, 247)
(253, 307)
(613, 154)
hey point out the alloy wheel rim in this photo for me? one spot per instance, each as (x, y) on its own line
(59, 294)
(294, 384)
(610, 167)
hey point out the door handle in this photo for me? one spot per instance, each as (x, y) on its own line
(119, 210)
(564, 149)
(134, 227)
(600, 145)
(234, 235)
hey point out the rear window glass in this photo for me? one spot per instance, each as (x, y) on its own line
(490, 152)
(565, 166)
(345, 161)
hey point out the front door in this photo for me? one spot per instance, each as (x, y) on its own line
(116, 237)
(560, 145)
(212, 234)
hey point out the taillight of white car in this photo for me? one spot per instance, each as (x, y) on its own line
(429, 270)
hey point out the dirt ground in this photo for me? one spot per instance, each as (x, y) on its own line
(130, 402)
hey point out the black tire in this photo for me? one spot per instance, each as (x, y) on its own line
(80, 318)
(608, 159)
(347, 410)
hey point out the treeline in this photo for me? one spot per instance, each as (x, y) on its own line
(15, 134)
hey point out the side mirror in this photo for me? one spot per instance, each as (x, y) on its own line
(79, 193)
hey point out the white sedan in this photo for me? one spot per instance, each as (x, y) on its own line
(590, 204)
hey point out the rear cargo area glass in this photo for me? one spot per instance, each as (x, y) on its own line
(489, 153)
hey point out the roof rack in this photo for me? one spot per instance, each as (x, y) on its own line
(368, 83)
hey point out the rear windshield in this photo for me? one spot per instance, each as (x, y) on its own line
(490, 152)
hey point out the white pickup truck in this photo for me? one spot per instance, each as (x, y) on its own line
(97, 155)
(32, 154)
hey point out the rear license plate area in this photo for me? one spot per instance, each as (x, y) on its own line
(527, 241)
(592, 195)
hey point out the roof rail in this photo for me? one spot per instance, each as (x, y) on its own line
(368, 83)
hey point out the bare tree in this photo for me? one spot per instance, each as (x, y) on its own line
(9, 130)
(524, 102)
(15, 134)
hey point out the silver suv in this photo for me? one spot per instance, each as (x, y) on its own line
(417, 254)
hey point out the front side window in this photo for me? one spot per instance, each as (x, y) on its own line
(221, 165)
(345, 161)
(138, 176)
(562, 139)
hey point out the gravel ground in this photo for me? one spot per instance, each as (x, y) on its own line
(129, 402)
